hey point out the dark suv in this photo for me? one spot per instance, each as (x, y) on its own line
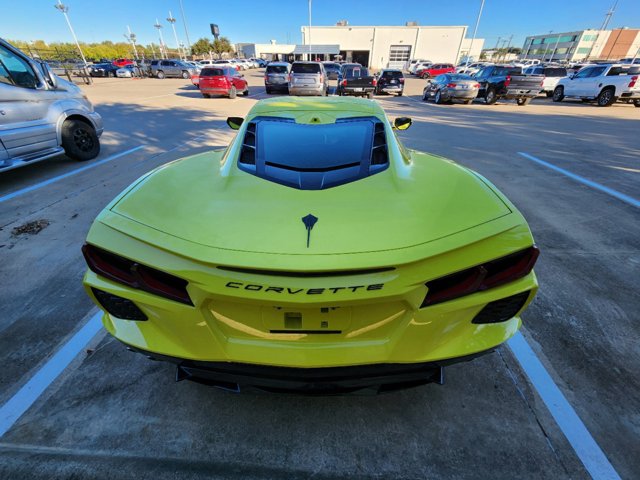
(171, 68)
(390, 81)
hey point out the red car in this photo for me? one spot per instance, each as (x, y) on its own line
(122, 62)
(435, 70)
(222, 81)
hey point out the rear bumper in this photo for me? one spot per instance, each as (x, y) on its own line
(306, 90)
(630, 96)
(520, 93)
(214, 91)
(378, 378)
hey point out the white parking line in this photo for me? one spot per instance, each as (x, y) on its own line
(36, 186)
(609, 191)
(15, 407)
(588, 451)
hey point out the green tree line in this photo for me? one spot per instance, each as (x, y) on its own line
(111, 50)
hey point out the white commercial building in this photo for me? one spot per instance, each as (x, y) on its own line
(392, 46)
(565, 46)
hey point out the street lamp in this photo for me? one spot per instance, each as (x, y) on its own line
(163, 50)
(309, 30)
(132, 38)
(172, 21)
(475, 30)
(64, 9)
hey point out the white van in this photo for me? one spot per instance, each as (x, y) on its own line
(42, 115)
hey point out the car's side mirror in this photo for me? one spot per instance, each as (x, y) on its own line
(572, 75)
(234, 122)
(50, 77)
(402, 123)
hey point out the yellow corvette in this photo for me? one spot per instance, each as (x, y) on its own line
(316, 253)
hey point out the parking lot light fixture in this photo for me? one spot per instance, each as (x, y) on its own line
(132, 38)
(310, 30)
(186, 30)
(172, 21)
(163, 50)
(64, 9)
(475, 30)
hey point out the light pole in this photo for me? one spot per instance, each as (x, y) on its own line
(64, 9)
(475, 30)
(554, 49)
(163, 50)
(172, 21)
(309, 30)
(184, 22)
(132, 38)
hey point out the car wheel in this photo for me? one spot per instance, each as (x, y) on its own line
(233, 92)
(425, 95)
(268, 90)
(246, 91)
(400, 94)
(80, 140)
(370, 95)
(185, 74)
(206, 95)
(558, 94)
(549, 94)
(438, 98)
(160, 74)
(467, 102)
(490, 97)
(636, 103)
(523, 101)
(606, 97)
(426, 75)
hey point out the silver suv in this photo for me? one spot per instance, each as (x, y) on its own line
(308, 78)
(42, 115)
(171, 68)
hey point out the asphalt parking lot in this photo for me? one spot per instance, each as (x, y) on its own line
(115, 414)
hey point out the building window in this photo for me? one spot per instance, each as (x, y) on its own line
(584, 50)
(589, 38)
(561, 51)
(537, 41)
(399, 53)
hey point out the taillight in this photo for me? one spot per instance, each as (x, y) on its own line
(344, 83)
(266, 77)
(375, 82)
(633, 81)
(452, 85)
(321, 79)
(402, 80)
(481, 277)
(507, 81)
(477, 85)
(135, 275)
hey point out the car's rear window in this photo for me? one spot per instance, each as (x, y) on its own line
(314, 157)
(276, 69)
(212, 72)
(354, 72)
(305, 68)
(331, 66)
(392, 74)
(555, 72)
(627, 70)
(507, 71)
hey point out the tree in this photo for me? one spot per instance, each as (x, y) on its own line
(201, 47)
(222, 45)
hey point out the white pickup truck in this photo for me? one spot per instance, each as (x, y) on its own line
(604, 83)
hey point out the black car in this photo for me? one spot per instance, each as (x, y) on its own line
(390, 81)
(332, 69)
(507, 81)
(103, 70)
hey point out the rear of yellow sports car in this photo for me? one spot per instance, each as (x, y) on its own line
(250, 267)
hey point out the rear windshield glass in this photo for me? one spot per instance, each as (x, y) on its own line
(507, 71)
(331, 66)
(355, 72)
(313, 157)
(276, 69)
(392, 74)
(555, 72)
(212, 72)
(305, 68)
(630, 70)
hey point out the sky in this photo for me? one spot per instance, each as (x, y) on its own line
(259, 21)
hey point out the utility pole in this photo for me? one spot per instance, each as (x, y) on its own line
(64, 10)
(605, 24)
(172, 21)
(163, 50)
(475, 30)
(186, 30)
(506, 52)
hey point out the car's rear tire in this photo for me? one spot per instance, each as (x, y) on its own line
(370, 95)
(400, 94)
(438, 98)
(206, 95)
(425, 75)
(636, 103)
(246, 92)
(606, 97)
(549, 94)
(80, 140)
(268, 90)
(160, 74)
(558, 94)
(233, 92)
(467, 102)
(490, 97)
(523, 101)
(185, 74)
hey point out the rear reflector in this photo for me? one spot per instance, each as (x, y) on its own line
(481, 277)
(119, 307)
(633, 81)
(501, 310)
(135, 275)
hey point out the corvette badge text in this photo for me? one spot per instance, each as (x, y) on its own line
(304, 291)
